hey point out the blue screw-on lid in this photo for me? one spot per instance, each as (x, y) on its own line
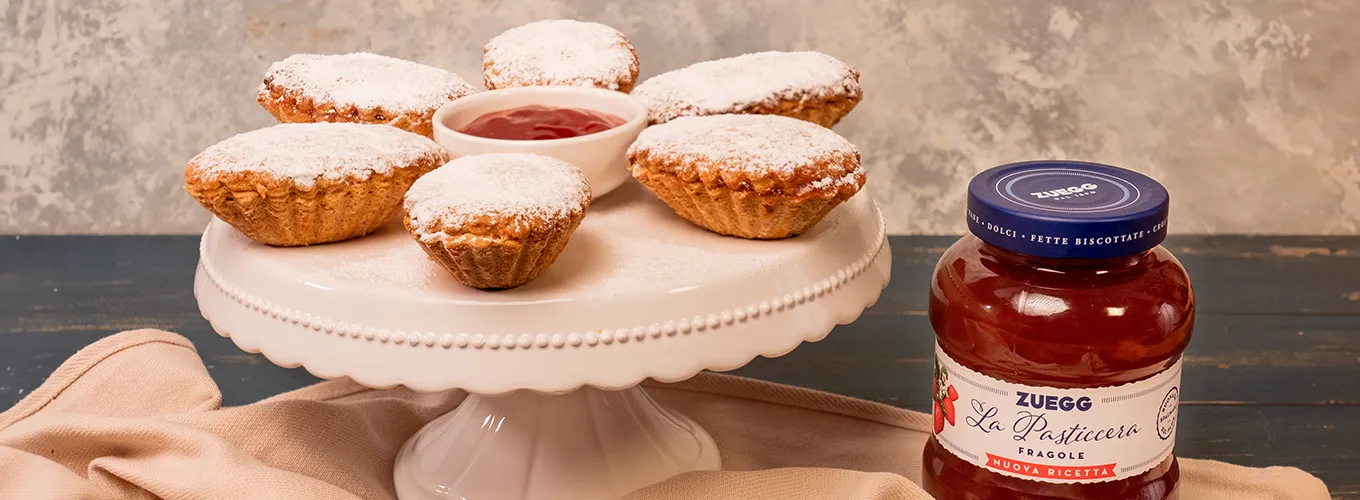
(1067, 209)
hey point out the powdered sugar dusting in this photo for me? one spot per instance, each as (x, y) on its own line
(507, 184)
(733, 84)
(756, 145)
(306, 152)
(400, 265)
(849, 180)
(367, 81)
(560, 52)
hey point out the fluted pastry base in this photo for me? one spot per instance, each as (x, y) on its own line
(584, 444)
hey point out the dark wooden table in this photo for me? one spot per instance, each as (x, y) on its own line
(1272, 376)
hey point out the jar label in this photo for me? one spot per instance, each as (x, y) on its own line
(1055, 435)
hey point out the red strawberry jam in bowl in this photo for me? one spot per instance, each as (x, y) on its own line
(1060, 323)
(540, 123)
(587, 127)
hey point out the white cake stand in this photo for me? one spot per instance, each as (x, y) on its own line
(554, 366)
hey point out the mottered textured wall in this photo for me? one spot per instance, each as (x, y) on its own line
(1245, 109)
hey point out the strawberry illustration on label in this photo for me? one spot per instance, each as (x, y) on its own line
(944, 396)
(948, 404)
(939, 418)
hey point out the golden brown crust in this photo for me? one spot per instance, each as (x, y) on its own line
(493, 78)
(502, 226)
(276, 211)
(490, 256)
(291, 106)
(726, 173)
(740, 211)
(825, 111)
(809, 86)
(498, 220)
(760, 177)
(766, 155)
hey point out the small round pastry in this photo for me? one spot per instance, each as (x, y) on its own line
(358, 88)
(809, 86)
(750, 176)
(560, 52)
(496, 221)
(307, 183)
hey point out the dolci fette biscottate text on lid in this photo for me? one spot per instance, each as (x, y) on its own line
(1067, 209)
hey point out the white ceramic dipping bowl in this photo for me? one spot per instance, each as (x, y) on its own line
(603, 156)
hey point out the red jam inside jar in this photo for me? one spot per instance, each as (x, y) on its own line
(1060, 324)
(538, 123)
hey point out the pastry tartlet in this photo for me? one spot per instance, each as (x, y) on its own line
(307, 183)
(560, 52)
(750, 176)
(358, 88)
(497, 221)
(808, 86)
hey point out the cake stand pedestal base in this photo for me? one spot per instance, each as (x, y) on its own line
(584, 444)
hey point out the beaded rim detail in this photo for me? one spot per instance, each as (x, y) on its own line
(650, 332)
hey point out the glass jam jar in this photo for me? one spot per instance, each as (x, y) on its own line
(1060, 323)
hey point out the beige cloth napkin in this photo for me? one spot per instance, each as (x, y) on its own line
(135, 416)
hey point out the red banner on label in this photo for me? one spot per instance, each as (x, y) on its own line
(1050, 471)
